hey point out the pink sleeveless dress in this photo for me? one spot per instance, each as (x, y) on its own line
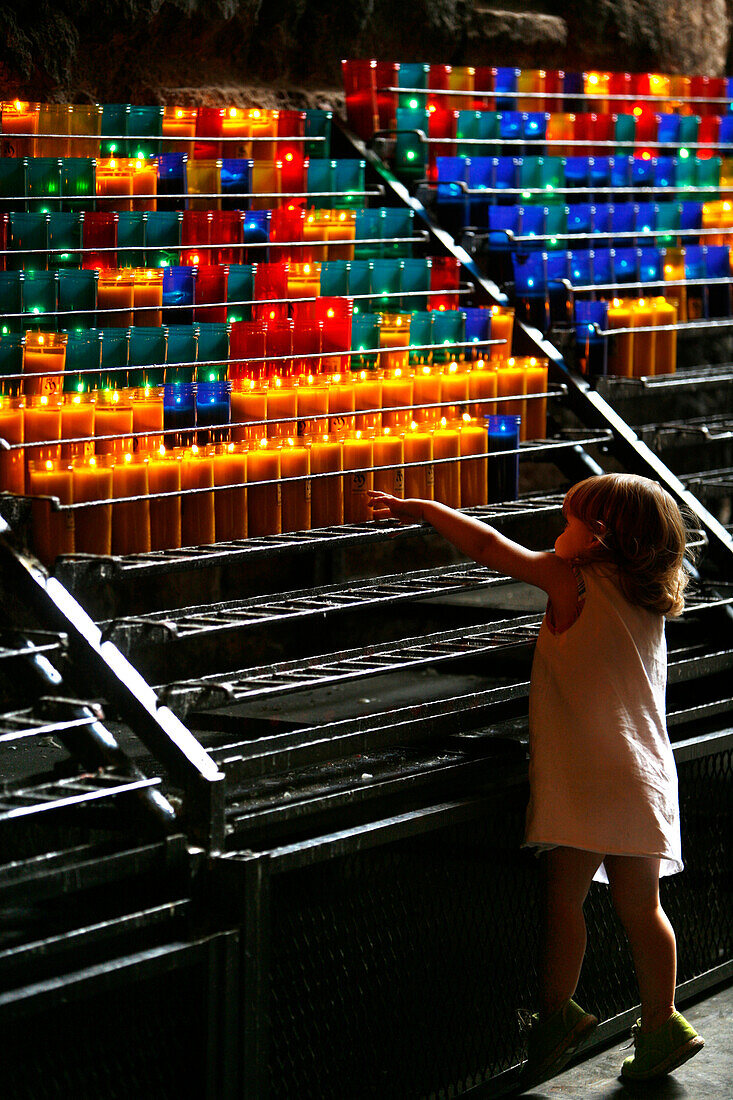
(602, 773)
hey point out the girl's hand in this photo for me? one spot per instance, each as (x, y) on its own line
(385, 506)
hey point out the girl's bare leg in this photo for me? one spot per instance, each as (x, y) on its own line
(635, 891)
(569, 873)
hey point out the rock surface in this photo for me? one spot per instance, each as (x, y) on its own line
(287, 51)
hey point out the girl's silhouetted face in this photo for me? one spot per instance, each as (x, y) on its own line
(575, 541)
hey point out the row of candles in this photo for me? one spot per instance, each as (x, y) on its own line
(376, 89)
(64, 426)
(188, 496)
(70, 129)
(627, 337)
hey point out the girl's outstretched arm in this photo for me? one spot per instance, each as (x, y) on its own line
(486, 545)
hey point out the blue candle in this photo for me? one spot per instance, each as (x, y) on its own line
(503, 472)
(212, 412)
(590, 345)
(179, 413)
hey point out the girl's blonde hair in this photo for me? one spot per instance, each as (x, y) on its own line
(640, 529)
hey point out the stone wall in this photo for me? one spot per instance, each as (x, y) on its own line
(281, 51)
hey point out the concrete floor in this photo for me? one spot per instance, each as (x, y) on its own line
(707, 1076)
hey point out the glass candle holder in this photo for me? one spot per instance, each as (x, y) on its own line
(44, 358)
(179, 413)
(92, 481)
(503, 436)
(130, 518)
(213, 412)
(113, 417)
(12, 463)
(53, 530)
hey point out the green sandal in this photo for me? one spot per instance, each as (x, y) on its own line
(552, 1043)
(661, 1051)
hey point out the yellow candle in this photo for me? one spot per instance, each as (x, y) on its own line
(53, 531)
(502, 328)
(164, 476)
(357, 455)
(327, 493)
(342, 227)
(296, 495)
(266, 181)
(147, 296)
(42, 425)
(397, 395)
(394, 332)
(144, 187)
(454, 391)
(368, 399)
(248, 410)
(674, 271)
(197, 508)
(341, 403)
(312, 406)
(447, 483)
(482, 387)
(147, 416)
(474, 471)
(12, 463)
(419, 480)
(114, 185)
(92, 480)
(44, 357)
(536, 380)
(389, 450)
(665, 351)
(314, 229)
(113, 416)
(115, 292)
(203, 177)
(282, 404)
(644, 342)
(511, 382)
(130, 519)
(178, 123)
(77, 422)
(621, 348)
(263, 501)
(304, 281)
(426, 385)
(230, 505)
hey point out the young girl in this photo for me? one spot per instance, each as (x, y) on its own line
(603, 784)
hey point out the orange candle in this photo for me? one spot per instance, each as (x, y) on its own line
(511, 381)
(397, 395)
(248, 410)
(44, 358)
(130, 519)
(282, 404)
(426, 383)
(230, 505)
(665, 351)
(620, 348)
(42, 425)
(368, 399)
(644, 342)
(147, 296)
(419, 480)
(179, 123)
(482, 387)
(357, 455)
(19, 118)
(92, 480)
(447, 446)
(147, 416)
(304, 281)
(454, 391)
(312, 405)
(502, 328)
(116, 293)
(341, 403)
(164, 476)
(77, 422)
(114, 185)
(474, 471)
(113, 416)
(263, 501)
(12, 463)
(389, 450)
(536, 381)
(327, 493)
(197, 508)
(674, 271)
(314, 229)
(296, 495)
(394, 332)
(144, 186)
(53, 530)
